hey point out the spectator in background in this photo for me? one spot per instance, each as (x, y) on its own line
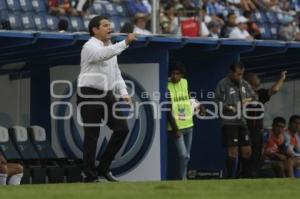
(240, 31)
(292, 144)
(54, 8)
(63, 25)
(289, 30)
(214, 29)
(252, 28)
(127, 28)
(12, 170)
(64, 7)
(229, 25)
(170, 22)
(140, 20)
(255, 125)
(274, 147)
(189, 7)
(203, 32)
(247, 5)
(82, 6)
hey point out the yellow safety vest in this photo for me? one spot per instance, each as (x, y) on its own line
(182, 110)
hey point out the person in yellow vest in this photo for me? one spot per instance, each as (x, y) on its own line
(180, 117)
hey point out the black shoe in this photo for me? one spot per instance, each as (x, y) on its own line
(108, 176)
(90, 179)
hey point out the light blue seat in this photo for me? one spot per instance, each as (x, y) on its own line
(39, 5)
(13, 5)
(40, 22)
(121, 10)
(26, 5)
(272, 17)
(15, 22)
(3, 5)
(116, 23)
(27, 21)
(97, 8)
(52, 22)
(77, 24)
(260, 17)
(265, 31)
(109, 9)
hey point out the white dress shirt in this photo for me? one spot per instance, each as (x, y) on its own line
(99, 67)
(237, 33)
(140, 31)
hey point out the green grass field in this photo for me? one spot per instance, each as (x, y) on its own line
(207, 189)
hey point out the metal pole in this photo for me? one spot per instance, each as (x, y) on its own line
(155, 17)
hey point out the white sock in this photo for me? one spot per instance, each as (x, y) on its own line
(15, 179)
(3, 178)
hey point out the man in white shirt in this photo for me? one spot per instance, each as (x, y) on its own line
(98, 80)
(240, 31)
(140, 20)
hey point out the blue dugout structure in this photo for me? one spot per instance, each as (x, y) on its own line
(207, 61)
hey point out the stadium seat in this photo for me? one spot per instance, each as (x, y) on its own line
(77, 24)
(39, 5)
(26, 5)
(3, 5)
(272, 17)
(116, 23)
(86, 23)
(274, 31)
(259, 17)
(15, 21)
(13, 5)
(28, 21)
(6, 146)
(279, 16)
(38, 137)
(60, 166)
(121, 10)
(109, 9)
(19, 136)
(265, 31)
(22, 143)
(52, 22)
(97, 8)
(40, 22)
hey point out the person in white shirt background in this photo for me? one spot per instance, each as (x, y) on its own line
(214, 29)
(140, 21)
(240, 31)
(99, 79)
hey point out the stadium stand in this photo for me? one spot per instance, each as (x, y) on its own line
(21, 13)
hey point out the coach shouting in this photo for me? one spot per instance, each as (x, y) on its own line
(99, 77)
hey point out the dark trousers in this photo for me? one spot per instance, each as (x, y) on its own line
(257, 145)
(93, 114)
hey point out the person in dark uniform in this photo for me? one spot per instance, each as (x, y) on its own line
(232, 93)
(99, 79)
(256, 125)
